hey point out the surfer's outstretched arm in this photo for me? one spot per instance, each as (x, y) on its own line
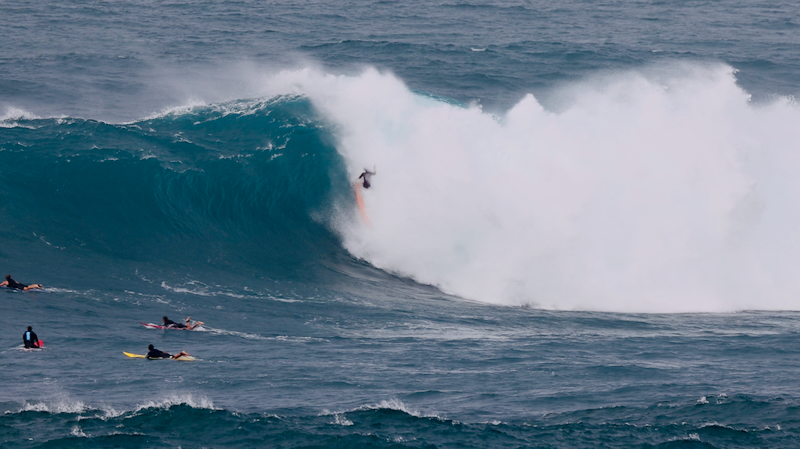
(366, 176)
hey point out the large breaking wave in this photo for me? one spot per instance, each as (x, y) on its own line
(663, 190)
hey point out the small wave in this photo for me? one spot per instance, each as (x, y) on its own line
(10, 124)
(104, 412)
(70, 407)
(478, 49)
(386, 404)
(61, 406)
(396, 404)
(715, 424)
(17, 114)
(174, 110)
(200, 402)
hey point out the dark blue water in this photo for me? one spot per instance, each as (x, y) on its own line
(582, 230)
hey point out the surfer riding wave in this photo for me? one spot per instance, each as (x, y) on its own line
(366, 175)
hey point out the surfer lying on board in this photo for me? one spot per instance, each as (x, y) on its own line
(10, 283)
(154, 353)
(366, 176)
(29, 338)
(169, 323)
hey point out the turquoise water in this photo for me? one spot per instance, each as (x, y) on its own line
(582, 227)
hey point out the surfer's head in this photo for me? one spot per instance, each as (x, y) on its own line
(8, 277)
(150, 347)
(30, 328)
(164, 318)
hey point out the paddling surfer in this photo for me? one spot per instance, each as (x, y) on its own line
(10, 283)
(171, 324)
(153, 353)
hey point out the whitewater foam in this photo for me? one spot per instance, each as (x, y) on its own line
(396, 404)
(58, 406)
(661, 190)
(12, 113)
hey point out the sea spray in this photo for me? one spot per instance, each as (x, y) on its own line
(661, 190)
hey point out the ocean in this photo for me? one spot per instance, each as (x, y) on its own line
(581, 231)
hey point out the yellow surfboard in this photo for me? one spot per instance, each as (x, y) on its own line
(360, 202)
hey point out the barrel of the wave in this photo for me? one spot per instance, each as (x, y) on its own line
(360, 201)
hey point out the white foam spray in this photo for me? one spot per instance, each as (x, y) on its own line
(8, 118)
(657, 191)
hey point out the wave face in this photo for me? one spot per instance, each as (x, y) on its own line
(661, 190)
(242, 186)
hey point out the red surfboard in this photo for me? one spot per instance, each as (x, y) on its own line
(360, 202)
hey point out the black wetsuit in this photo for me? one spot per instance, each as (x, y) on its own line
(170, 323)
(156, 354)
(366, 176)
(30, 340)
(16, 285)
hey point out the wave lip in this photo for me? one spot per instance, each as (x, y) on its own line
(63, 406)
